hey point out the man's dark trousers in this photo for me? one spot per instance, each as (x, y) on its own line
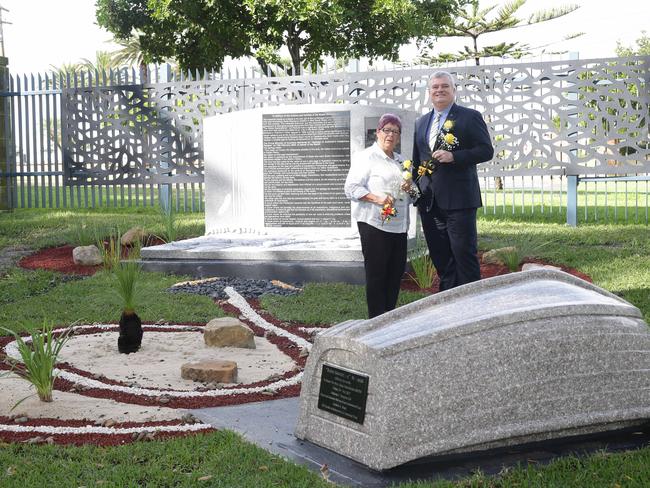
(452, 241)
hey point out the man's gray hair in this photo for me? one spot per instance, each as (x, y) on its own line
(442, 74)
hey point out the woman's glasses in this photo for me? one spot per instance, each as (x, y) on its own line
(395, 132)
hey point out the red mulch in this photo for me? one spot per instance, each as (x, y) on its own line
(487, 271)
(90, 438)
(60, 259)
(57, 259)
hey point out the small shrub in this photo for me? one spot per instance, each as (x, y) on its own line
(511, 257)
(84, 233)
(39, 354)
(127, 274)
(514, 256)
(170, 226)
(423, 270)
(111, 250)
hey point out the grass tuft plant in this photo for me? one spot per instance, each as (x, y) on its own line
(514, 256)
(84, 233)
(110, 249)
(39, 354)
(423, 270)
(170, 226)
(127, 274)
(511, 256)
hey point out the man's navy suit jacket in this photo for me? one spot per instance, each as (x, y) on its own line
(453, 185)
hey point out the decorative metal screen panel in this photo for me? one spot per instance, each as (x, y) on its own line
(565, 117)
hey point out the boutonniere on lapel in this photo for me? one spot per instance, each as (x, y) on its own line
(425, 168)
(448, 141)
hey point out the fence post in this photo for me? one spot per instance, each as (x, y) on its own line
(6, 168)
(165, 189)
(572, 200)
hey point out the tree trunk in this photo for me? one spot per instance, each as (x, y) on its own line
(266, 67)
(294, 44)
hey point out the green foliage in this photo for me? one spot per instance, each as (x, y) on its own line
(39, 355)
(85, 234)
(92, 299)
(642, 47)
(20, 283)
(309, 30)
(326, 303)
(514, 255)
(110, 250)
(168, 217)
(126, 276)
(423, 270)
(226, 461)
(474, 21)
(511, 256)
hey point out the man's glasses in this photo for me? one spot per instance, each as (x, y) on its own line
(395, 132)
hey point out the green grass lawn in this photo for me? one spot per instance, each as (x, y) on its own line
(616, 256)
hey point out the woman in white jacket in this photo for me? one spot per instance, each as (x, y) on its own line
(380, 204)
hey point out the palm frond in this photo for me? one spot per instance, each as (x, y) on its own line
(550, 14)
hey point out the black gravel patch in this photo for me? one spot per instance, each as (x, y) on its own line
(213, 287)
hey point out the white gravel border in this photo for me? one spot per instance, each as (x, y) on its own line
(11, 349)
(91, 429)
(236, 300)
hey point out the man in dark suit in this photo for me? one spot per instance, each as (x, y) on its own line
(448, 143)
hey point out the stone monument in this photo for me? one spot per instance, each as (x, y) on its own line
(513, 359)
(274, 201)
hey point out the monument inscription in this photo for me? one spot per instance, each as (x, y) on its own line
(343, 393)
(306, 157)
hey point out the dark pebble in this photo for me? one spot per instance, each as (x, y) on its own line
(246, 288)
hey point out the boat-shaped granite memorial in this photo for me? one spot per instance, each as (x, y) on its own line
(513, 359)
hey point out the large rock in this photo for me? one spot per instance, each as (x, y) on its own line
(86, 255)
(493, 256)
(513, 359)
(133, 235)
(228, 332)
(210, 371)
(531, 266)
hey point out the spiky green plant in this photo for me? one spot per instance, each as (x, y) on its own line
(39, 354)
(170, 225)
(110, 250)
(133, 252)
(84, 233)
(127, 274)
(423, 270)
(511, 257)
(514, 256)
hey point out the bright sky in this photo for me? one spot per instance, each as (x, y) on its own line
(52, 32)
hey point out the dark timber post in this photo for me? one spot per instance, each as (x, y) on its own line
(6, 168)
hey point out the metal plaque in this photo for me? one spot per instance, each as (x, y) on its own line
(343, 393)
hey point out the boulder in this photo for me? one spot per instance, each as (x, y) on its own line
(86, 255)
(210, 371)
(228, 332)
(132, 236)
(531, 266)
(493, 255)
